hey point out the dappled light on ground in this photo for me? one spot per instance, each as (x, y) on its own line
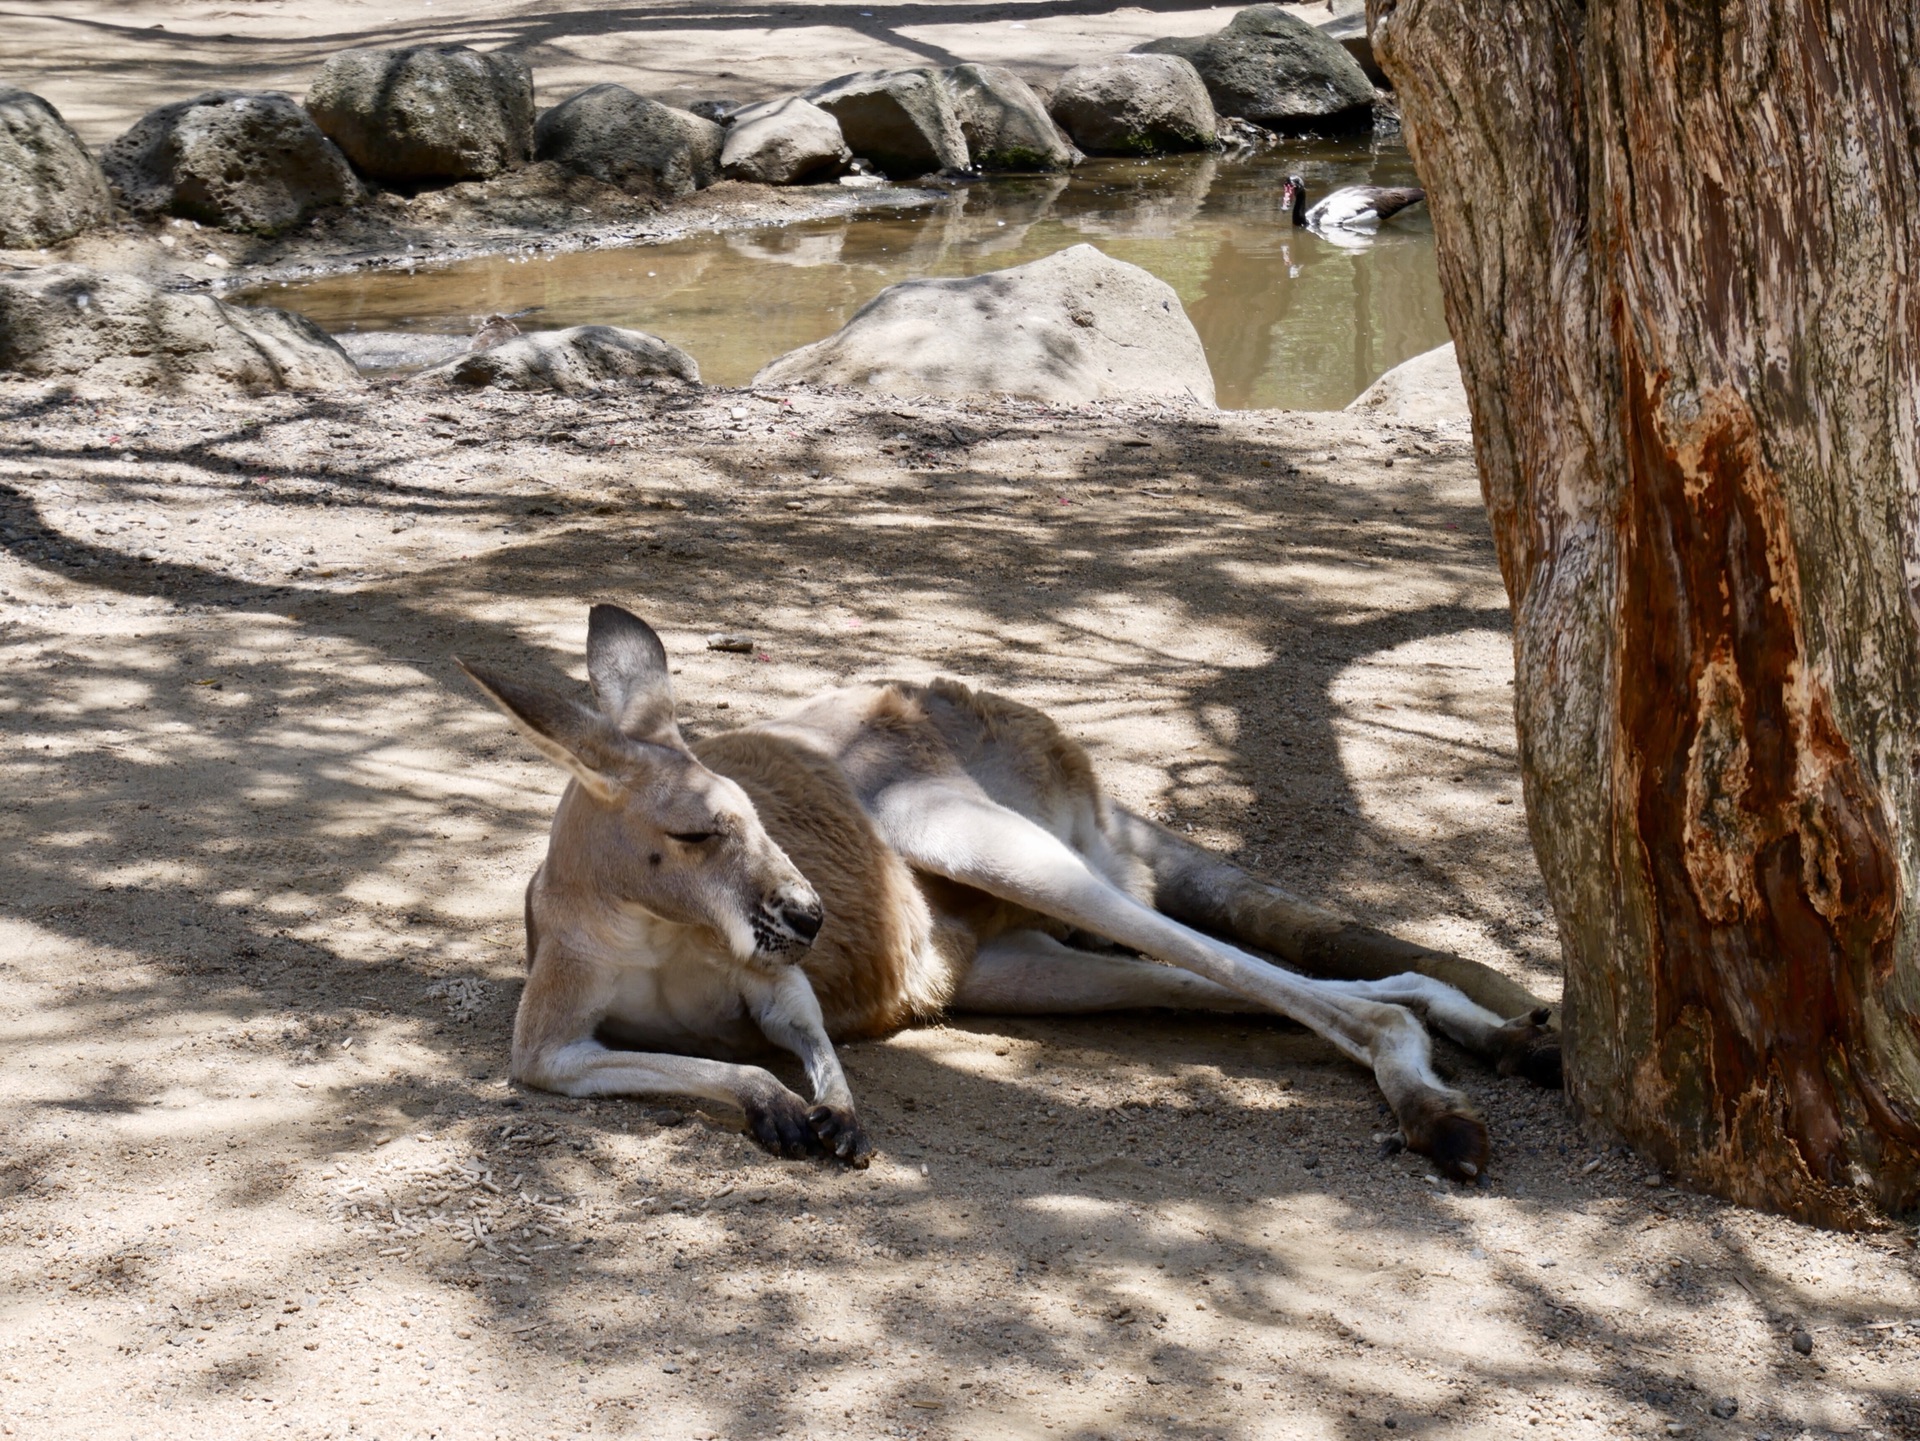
(262, 948)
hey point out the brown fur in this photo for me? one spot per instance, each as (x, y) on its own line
(875, 965)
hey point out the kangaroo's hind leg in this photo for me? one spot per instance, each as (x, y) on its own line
(1486, 1012)
(949, 829)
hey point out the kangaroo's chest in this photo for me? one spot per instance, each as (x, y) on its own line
(667, 995)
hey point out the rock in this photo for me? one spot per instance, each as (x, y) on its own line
(427, 112)
(1426, 388)
(901, 120)
(1135, 105)
(50, 184)
(1074, 328)
(585, 358)
(1351, 33)
(110, 333)
(1726, 1408)
(631, 142)
(783, 142)
(1802, 1341)
(1005, 124)
(401, 350)
(240, 160)
(1269, 67)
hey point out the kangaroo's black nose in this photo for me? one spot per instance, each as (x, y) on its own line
(803, 921)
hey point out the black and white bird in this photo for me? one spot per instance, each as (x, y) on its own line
(1356, 207)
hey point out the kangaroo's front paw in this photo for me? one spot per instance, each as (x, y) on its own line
(779, 1122)
(1528, 1046)
(839, 1131)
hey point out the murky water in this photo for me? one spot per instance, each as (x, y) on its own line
(1288, 319)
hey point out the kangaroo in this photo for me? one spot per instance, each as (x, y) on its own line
(887, 853)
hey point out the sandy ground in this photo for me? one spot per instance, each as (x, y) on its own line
(264, 1176)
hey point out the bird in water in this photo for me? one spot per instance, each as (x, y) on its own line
(1355, 207)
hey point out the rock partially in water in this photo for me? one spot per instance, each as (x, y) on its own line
(901, 120)
(1276, 70)
(401, 350)
(1005, 124)
(783, 142)
(109, 333)
(50, 185)
(629, 141)
(1426, 388)
(585, 358)
(236, 159)
(1074, 328)
(426, 112)
(1135, 105)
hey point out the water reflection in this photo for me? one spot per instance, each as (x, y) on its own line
(1288, 318)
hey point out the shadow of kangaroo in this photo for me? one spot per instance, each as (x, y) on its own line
(886, 853)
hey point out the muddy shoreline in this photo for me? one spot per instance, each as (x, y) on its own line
(533, 211)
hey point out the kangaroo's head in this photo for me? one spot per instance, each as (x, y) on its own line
(644, 824)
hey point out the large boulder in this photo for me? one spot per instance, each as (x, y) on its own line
(237, 159)
(427, 112)
(902, 121)
(783, 142)
(585, 358)
(1075, 328)
(1350, 31)
(1424, 389)
(1274, 69)
(110, 333)
(1005, 124)
(50, 185)
(629, 141)
(1135, 105)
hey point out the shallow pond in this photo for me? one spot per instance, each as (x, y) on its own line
(1288, 319)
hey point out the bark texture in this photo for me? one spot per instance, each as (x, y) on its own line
(1678, 242)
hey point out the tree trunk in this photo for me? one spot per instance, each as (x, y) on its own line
(1678, 241)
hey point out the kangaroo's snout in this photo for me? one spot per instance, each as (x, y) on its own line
(788, 922)
(803, 918)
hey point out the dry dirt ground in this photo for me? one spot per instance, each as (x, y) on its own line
(264, 1175)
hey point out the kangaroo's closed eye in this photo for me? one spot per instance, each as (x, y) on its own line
(691, 838)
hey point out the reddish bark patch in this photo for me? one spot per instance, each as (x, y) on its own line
(1775, 892)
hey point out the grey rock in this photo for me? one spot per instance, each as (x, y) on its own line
(50, 184)
(240, 160)
(108, 333)
(1135, 105)
(1074, 328)
(585, 358)
(1351, 32)
(1005, 123)
(426, 112)
(1726, 1408)
(901, 120)
(636, 144)
(783, 142)
(1276, 70)
(1802, 1341)
(398, 351)
(1425, 388)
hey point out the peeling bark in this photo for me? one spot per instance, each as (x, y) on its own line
(1678, 242)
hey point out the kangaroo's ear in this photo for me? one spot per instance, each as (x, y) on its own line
(628, 667)
(571, 735)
